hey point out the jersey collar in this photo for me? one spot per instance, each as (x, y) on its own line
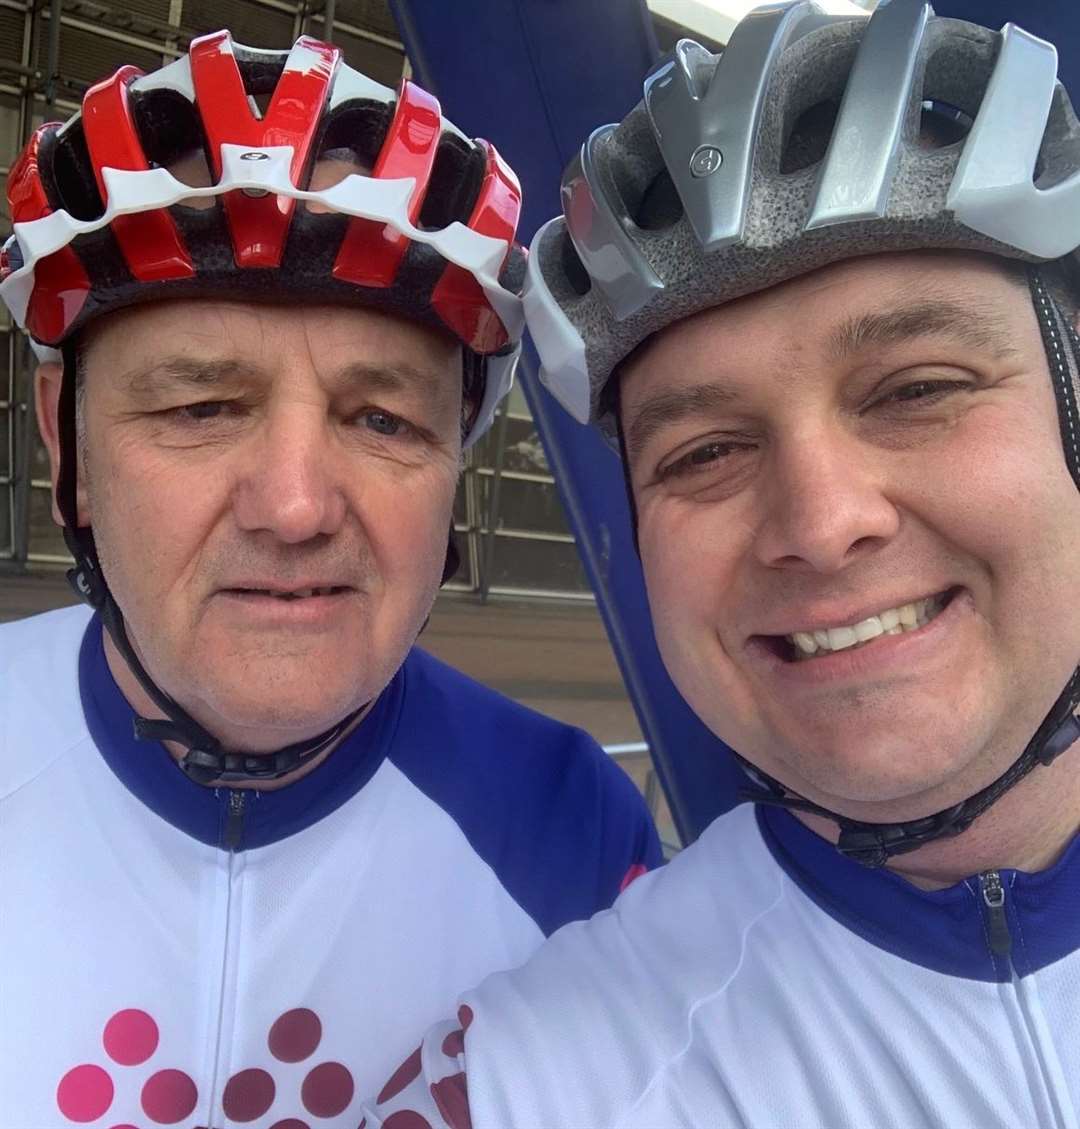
(148, 771)
(944, 930)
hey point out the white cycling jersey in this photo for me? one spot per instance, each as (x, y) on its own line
(762, 980)
(177, 955)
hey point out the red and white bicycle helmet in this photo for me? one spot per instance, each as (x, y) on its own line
(426, 230)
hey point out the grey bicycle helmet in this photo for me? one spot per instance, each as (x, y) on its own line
(798, 146)
(814, 138)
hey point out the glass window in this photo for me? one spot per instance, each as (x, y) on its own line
(46, 539)
(529, 565)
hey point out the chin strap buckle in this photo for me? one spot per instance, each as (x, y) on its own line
(872, 845)
(87, 583)
(1066, 734)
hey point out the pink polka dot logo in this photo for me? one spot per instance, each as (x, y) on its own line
(167, 1096)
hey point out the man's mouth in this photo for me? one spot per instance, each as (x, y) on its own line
(289, 594)
(802, 646)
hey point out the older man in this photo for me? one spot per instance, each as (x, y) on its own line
(820, 291)
(243, 820)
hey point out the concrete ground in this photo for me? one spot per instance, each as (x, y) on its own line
(552, 656)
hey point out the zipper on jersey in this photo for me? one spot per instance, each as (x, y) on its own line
(234, 818)
(993, 896)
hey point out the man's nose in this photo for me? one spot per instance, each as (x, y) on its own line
(291, 485)
(827, 503)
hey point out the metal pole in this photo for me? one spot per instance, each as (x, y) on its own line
(488, 560)
(328, 20)
(53, 58)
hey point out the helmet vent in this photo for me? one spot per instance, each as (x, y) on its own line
(260, 70)
(573, 269)
(456, 176)
(808, 140)
(661, 206)
(360, 126)
(73, 175)
(169, 126)
(942, 125)
(1059, 154)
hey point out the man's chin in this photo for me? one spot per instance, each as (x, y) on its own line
(267, 721)
(877, 778)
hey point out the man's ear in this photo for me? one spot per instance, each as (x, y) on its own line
(47, 383)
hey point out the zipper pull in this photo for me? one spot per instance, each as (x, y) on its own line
(234, 819)
(993, 893)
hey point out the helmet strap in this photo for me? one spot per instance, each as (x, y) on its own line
(873, 844)
(206, 760)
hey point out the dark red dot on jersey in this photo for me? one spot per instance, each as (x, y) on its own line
(131, 1037)
(454, 1044)
(401, 1077)
(290, 1123)
(464, 1016)
(123, 1127)
(635, 872)
(327, 1089)
(248, 1095)
(406, 1119)
(84, 1093)
(295, 1035)
(452, 1098)
(169, 1096)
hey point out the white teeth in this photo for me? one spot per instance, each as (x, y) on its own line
(869, 629)
(842, 637)
(890, 619)
(805, 642)
(894, 621)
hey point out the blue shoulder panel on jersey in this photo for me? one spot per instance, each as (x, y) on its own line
(943, 930)
(149, 772)
(559, 823)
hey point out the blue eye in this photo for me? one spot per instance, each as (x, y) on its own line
(206, 411)
(383, 422)
(920, 390)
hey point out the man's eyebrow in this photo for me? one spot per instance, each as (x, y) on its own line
(671, 407)
(208, 373)
(391, 377)
(973, 327)
(183, 371)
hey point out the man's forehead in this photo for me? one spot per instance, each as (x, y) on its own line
(257, 336)
(860, 303)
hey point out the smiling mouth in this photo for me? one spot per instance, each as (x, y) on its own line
(289, 595)
(805, 646)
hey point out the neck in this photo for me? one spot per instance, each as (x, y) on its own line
(1027, 829)
(144, 706)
